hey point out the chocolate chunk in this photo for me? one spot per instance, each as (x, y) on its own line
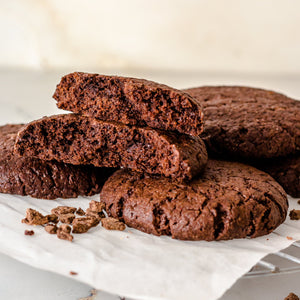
(66, 218)
(60, 210)
(51, 228)
(230, 200)
(112, 224)
(29, 232)
(97, 206)
(130, 101)
(77, 139)
(295, 214)
(80, 212)
(33, 217)
(44, 179)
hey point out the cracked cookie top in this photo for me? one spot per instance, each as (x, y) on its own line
(230, 200)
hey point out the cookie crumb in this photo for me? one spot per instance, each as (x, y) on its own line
(73, 273)
(80, 212)
(29, 232)
(34, 217)
(97, 206)
(51, 228)
(113, 224)
(64, 235)
(98, 215)
(291, 296)
(64, 228)
(52, 218)
(82, 225)
(295, 214)
(289, 238)
(66, 218)
(61, 210)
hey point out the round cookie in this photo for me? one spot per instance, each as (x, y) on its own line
(44, 179)
(286, 170)
(230, 200)
(243, 122)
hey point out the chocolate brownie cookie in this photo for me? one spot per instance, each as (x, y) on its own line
(230, 200)
(44, 179)
(243, 122)
(286, 170)
(78, 139)
(130, 101)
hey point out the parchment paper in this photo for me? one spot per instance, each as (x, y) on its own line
(132, 263)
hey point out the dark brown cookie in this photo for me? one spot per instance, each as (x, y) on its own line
(130, 101)
(78, 139)
(44, 179)
(286, 170)
(242, 122)
(230, 200)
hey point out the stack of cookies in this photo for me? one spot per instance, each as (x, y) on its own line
(153, 134)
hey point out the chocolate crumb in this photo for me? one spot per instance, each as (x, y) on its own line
(80, 212)
(29, 232)
(33, 217)
(63, 232)
(73, 273)
(291, 296)
(66, 218)
(61, 210)
(298, 201)
(295, 214)
(81, 225)
(98, 215)
(52, 218)
(112, 224)
(51, 228)
(97, 206)
(64, 228)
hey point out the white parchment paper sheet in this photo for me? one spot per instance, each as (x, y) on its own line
(134, 264)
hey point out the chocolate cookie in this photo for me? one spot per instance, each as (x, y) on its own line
(230, 200)
(286, 170)
(130, 101)
(44, 179)
(242, 122)
(78, 139)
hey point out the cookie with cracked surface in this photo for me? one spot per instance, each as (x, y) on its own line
(44, 179)
(244, 122)
(77, 139)
(230, 200)
(130, 101)
(286, 170)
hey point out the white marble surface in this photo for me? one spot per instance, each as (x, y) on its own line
(20, 102)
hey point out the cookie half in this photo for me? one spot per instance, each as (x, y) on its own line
(44, 179)
(286, 170)
(130, 101)
(77, 139)
(243, 122)
(230, 200)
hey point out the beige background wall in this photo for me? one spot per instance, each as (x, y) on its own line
(190, 35)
